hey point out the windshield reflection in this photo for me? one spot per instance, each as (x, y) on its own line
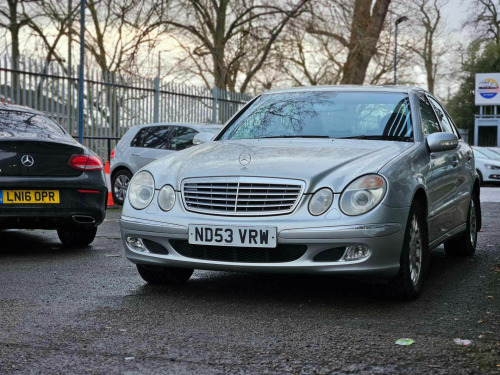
(364, 115)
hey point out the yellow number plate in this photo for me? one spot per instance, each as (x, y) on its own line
(29, 196)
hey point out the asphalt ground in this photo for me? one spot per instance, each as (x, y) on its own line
(88, 311)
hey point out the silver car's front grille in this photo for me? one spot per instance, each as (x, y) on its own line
(243, 196)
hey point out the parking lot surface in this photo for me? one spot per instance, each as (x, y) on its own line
(490, 194)
(87, 311)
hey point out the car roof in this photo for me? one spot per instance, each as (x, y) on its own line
(395, 89)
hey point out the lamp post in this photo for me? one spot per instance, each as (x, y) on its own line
(80, 71)
(159, 62)
(398, 21)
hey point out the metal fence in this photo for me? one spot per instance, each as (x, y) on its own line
(112, 102)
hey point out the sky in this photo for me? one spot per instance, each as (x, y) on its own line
(456, 12)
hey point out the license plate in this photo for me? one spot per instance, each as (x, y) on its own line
(232, 236)
(29, 196)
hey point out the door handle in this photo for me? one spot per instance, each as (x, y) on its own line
(134, 154)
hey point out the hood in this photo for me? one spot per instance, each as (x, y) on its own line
(318, 162)
(495, 162)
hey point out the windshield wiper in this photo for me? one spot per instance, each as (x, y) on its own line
(377, 137)
(296, 136)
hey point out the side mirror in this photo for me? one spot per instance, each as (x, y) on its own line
(442, 142)
(202, 138)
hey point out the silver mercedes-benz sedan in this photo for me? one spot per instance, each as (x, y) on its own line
(333, 180)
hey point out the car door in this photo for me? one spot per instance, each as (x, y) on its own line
(463, 164)
(151, 143)
(183, 137)
(441, 183)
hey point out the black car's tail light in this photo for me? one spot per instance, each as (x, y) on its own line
(86, 163)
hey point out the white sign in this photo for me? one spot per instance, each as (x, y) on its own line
(487, 89)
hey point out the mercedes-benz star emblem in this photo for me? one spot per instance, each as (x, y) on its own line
(27, 160)
(245, 159)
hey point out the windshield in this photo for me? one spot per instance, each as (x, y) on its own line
(325, 114)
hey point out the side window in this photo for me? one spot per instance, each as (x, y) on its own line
(157, 137)
(153, 137)
(430, 123)
(183, 138)
(455, 130)
(137, 140)
(443, 119)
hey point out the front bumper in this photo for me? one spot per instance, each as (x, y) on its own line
(385, 240)
(495, 176)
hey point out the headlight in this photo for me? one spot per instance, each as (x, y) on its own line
(141, 190)
(166, 198)
(362, 195)
(489, 166)
(320, 201)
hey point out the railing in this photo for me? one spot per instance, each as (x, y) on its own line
(113, 102)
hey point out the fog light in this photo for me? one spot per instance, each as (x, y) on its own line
(136, 243)
(357, 252)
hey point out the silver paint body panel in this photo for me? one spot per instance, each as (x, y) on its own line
(334, 163)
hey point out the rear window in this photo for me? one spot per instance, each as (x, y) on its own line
(29, 125)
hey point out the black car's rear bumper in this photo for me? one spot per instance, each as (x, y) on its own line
(82, 201)
(45, 219)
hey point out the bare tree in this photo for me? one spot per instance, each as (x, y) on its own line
(116, 32)
(13, 19)
(365, 20)
(308, 59)
(427, 25)
(50, 25)
(228, 42)
(486, 19)
(428, 42)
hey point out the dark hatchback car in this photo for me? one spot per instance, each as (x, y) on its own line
(47, 179)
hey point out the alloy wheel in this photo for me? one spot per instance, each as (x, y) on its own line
(121, 186)
(415, 250)
(472, 223)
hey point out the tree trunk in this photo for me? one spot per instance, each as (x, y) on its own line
(365, 32)
(218, 53)
(430, 75)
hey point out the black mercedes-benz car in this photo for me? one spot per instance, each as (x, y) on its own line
(47, 179)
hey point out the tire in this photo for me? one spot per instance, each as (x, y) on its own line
(77, 236)
(119, 185)
(465, 244)
(407, 284)
(479, 174)
(164, 275)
